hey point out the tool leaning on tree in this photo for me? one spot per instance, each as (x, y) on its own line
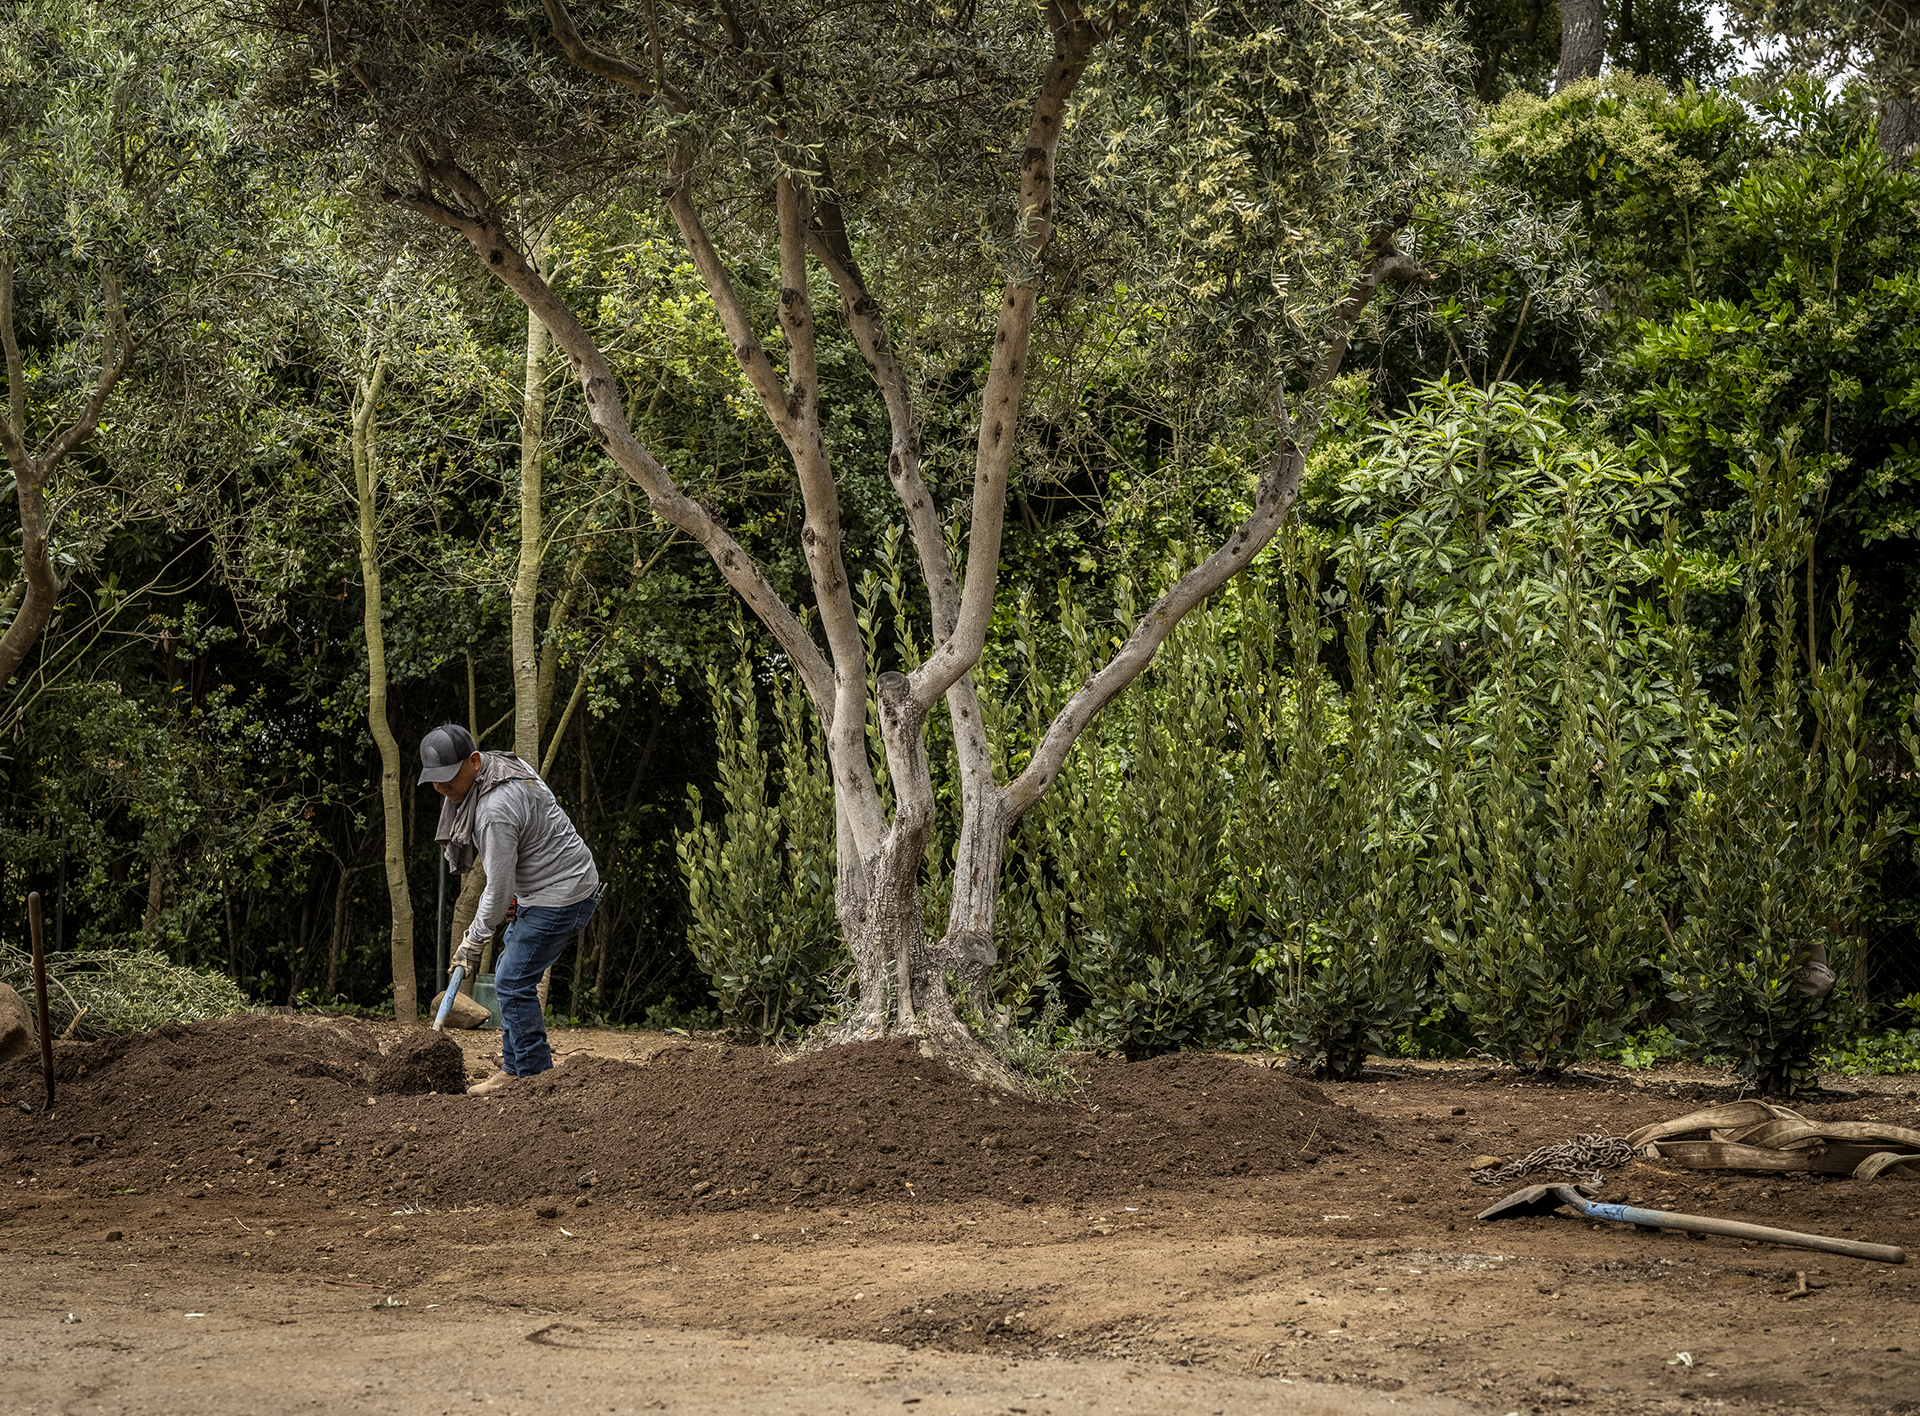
(498, 811)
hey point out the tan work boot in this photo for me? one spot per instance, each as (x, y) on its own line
(499, 1081)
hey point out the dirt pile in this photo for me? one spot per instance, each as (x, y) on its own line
(256, 1104)
(430, 1062)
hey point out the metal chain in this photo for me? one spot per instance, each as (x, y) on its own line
(1582, 1157)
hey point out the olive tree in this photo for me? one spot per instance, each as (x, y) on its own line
(1255, 175)
(123, 197)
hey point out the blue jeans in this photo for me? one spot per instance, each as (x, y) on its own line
(535, 939)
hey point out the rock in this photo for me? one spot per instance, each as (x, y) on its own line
(465, 1013)
(1814, 979)
(702, 1188)
(548, 1211)
(1486, 1162)
(114, 1236)
(18, 1036)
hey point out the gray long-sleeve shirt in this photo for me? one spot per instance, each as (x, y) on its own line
(530, 850)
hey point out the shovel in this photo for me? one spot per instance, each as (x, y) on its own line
(446, 1003)
(1545, 1199)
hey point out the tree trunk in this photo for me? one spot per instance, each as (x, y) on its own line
(339, 930)
(526, 582)
(1583, 41)
(406, 1003)
(156, 898)
(1900, 128)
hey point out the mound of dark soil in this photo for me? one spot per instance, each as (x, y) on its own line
(428, 1062)
(257, 1103)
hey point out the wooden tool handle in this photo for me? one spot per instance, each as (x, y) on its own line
(34, 927)
(1734, 1229)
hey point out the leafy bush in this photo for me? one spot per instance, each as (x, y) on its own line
(1640, 1051)
(1887, 1053)
(1323, 858)
(1550, 905)
(1136, 833)
(760, 880)
(107, 992)
(1773, 843)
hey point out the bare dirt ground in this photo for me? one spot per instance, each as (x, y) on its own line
(272, 1214)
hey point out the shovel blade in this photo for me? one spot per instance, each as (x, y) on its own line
(1535, 1199)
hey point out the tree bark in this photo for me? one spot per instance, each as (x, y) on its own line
(1583, 41)
(156, 898)
(526, 582)
(339, 928)
(406, 1005)
(1900, 128)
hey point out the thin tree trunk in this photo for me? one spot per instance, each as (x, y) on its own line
(529, 704)
(406, 1004)
(156, 899)
(526, 582)
(1583, 41)
(339, 930)
(549, 670)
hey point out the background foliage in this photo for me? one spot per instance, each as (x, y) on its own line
(1590, 632)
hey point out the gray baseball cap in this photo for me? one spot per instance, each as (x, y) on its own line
(443, 752)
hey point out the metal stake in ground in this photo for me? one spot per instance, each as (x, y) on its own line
(1544, 1199)
(35, 928)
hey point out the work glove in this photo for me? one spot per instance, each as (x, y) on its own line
(467, 956)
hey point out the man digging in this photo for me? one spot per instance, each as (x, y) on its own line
(498, 808)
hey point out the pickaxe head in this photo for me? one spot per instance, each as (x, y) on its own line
(1537, 1199)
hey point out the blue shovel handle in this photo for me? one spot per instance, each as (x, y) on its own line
(453, 989)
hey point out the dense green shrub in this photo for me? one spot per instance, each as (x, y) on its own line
(1137, 837)
(1773, 840)
(1550, 900)
(1325, 861)
(760, 878)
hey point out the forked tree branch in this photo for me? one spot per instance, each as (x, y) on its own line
(447, 195)
(584, 56)
(827, 236)
(1274, 495)
(32, 472)
(1075, 36)
(794, 409)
